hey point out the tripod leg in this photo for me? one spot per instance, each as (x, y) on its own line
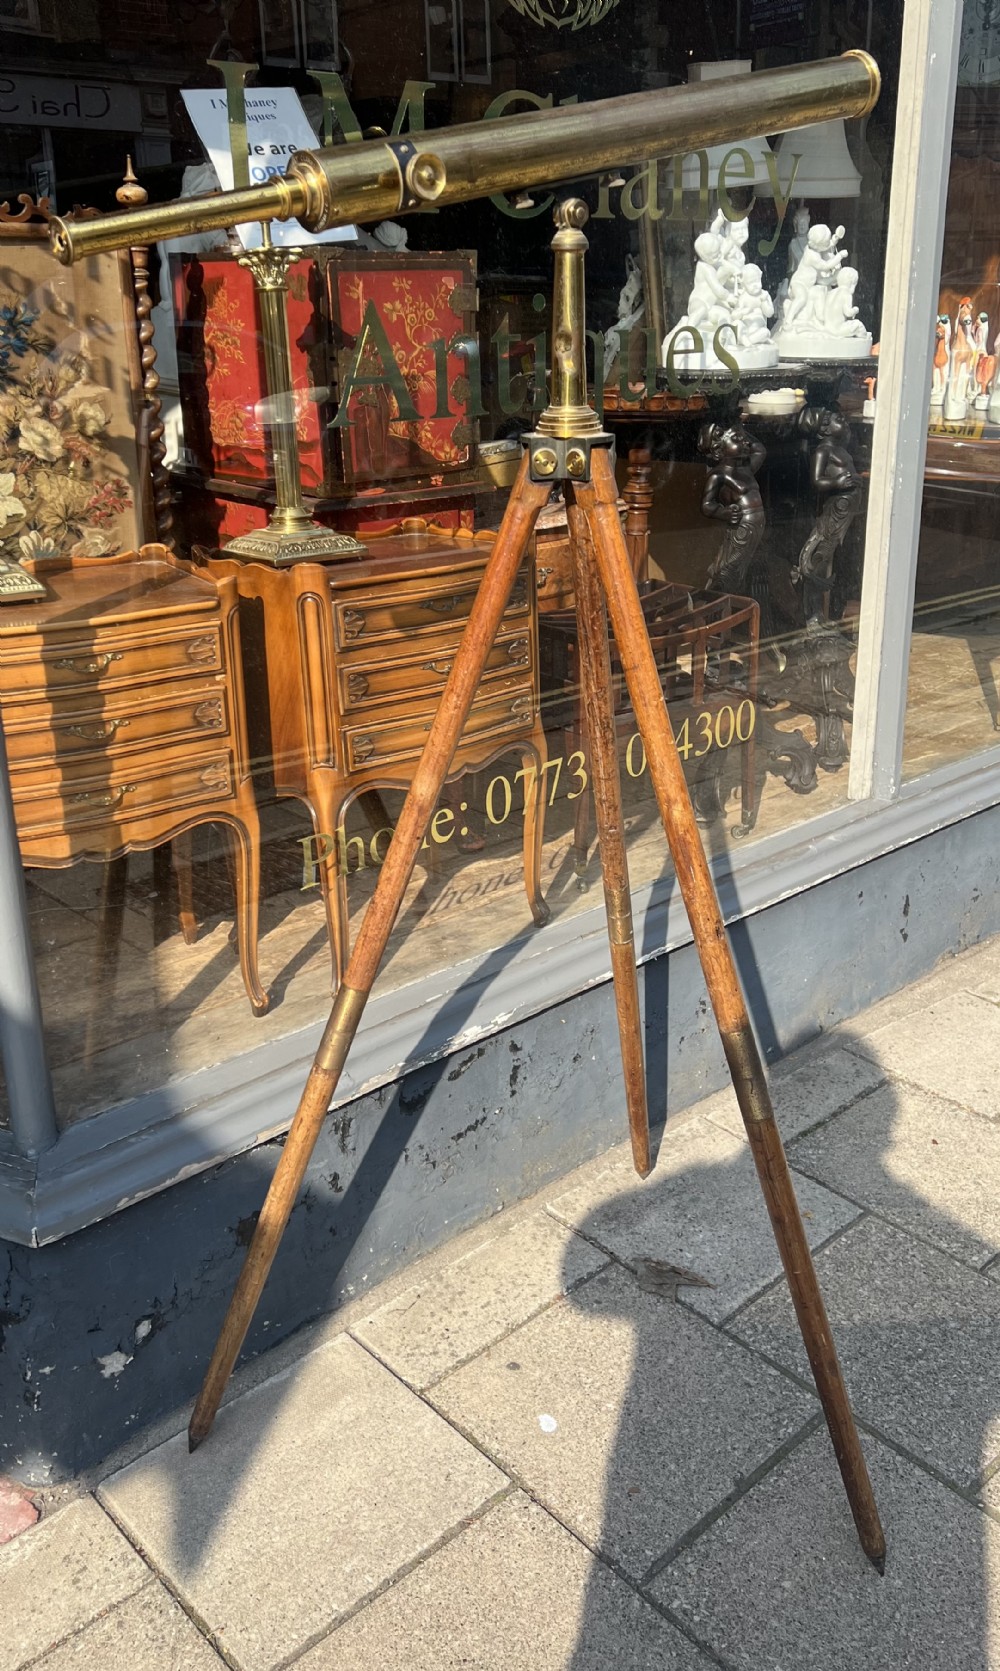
(525, 503)
(598, 500)
(599, 706)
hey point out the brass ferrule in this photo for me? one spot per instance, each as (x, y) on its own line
(338, 1034)
(747, 1072)
(619, 911)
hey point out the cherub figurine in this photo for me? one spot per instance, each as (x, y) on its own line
(840, 316)
(709, 288)
(753, 308)
(841, 492)
(807, 286)
(733, 497)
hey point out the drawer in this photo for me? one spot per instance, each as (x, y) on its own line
(94, 726)
(363, 683)
(51, 801)
(40, 667)
(388, 612)
(366, 747)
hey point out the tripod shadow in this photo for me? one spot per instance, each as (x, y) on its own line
(720, 1499)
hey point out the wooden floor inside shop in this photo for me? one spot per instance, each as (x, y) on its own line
(149, 1008)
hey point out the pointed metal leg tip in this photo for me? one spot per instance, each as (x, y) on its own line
(194, 1439)
(878, 1562)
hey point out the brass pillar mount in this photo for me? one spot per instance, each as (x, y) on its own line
(559, 449)
(291, 535)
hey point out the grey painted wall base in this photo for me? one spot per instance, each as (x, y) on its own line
(103, 1332)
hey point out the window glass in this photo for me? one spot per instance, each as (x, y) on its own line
(953, 706)
(197, 729)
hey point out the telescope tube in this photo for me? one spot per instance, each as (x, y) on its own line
(382, 178)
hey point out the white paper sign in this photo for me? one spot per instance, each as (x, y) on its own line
(276, 128)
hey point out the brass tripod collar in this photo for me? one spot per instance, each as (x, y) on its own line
(557, 458)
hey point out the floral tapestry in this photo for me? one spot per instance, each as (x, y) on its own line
(68, 456)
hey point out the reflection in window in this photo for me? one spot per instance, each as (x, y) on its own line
(954, 695)
(300, 33)
(458, 40)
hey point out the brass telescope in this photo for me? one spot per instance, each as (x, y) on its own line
(381, 178)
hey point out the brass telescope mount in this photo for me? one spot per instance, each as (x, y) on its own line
(569, 446)
(559, 449)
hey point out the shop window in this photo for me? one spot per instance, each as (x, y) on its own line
(954, 683)
(190, 739)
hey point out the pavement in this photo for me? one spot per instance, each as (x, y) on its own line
(516, 1457)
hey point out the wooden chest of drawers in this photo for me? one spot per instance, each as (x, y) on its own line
(345, 664)
(122, 704)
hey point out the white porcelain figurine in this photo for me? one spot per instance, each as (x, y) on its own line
(942, 359)
(820, 320)
(728, 306)
(963, 359)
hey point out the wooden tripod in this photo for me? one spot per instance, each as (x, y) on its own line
(570, 446)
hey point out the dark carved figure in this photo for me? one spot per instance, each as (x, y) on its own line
(841, 492)
(732, 497)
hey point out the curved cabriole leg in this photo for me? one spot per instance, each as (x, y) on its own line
(247, 855)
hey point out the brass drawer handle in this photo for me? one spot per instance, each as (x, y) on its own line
(216, 776)
(89, 664)
(100, 733)
(363, 748)
(106, 802)
(441, 667)
(543, 575)
(441, 606)
(201, 650)
(354, 623)
(517, 651)
(523, 707)
(357, 686)
(208, 714)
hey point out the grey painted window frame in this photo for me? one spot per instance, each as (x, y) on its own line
(52, 1185)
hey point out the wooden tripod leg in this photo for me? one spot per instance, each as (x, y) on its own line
(525, 503)
(598, 500)
(599, 707)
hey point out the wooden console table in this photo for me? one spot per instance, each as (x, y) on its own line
(122, 703)
(344, 665)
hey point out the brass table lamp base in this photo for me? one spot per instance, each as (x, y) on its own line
(291, 536)
(310, 543)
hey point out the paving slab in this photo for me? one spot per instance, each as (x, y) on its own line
(455, 1312)
(312, 1491)
(950, 1047)
(929, 1165)
(58, 1576)
(779, 1583)
(513, 1592)
(149, 1632)
(701, 1208)
(806, 1088)
(623, 1414)
(919, 1341)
